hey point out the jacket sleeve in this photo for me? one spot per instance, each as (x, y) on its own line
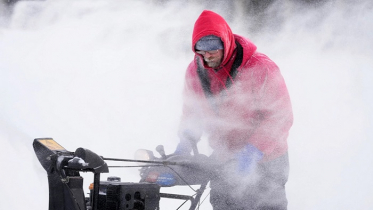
(273, 115)
(191, 124)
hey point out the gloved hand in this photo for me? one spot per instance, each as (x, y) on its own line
(183, 148)
(187, 139)
(248, 159)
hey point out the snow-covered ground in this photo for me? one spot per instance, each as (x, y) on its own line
(108, 76)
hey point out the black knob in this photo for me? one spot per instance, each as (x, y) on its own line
(160, 150)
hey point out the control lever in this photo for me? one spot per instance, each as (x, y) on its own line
(160, 150)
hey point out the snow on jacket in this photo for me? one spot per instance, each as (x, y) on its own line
(254, 108)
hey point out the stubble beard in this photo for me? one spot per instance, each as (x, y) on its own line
(211, 63)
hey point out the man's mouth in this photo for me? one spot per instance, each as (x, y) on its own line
(209, 60)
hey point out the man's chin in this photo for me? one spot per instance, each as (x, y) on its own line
(212, 64)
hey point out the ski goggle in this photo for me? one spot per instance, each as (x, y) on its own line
(211, 52)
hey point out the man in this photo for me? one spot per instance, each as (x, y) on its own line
(238, 97)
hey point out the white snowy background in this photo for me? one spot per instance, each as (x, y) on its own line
(107, 75)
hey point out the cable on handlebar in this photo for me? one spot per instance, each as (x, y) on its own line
(203, 200)
(182, 179)
(142, 161)
(132, 166)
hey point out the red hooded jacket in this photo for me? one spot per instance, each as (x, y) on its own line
(253, 109)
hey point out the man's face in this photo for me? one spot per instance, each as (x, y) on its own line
(212, 58)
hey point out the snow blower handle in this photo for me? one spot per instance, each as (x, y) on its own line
(192, 140)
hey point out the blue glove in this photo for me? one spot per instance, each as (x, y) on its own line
(248, 159)
(187, 139)
(183, 148)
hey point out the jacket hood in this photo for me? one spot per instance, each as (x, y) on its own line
(211, 23)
